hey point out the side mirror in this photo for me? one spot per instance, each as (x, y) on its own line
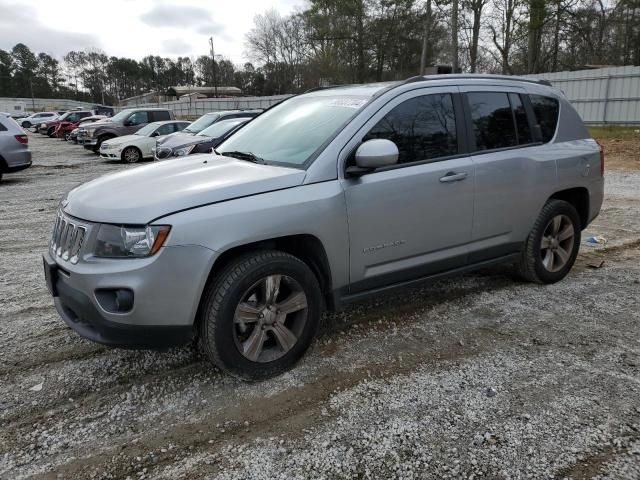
(155, 134)
(373, 154)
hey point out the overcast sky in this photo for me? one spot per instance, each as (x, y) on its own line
(134, 28)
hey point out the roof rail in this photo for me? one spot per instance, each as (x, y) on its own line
(315, 89)
(480, 76)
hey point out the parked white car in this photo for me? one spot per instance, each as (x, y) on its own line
(37, 119)
(133, 148)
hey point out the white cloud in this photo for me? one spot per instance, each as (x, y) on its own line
(134, 29)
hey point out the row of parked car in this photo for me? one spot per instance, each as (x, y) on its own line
(139, 134)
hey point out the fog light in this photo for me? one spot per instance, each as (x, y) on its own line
(116, 300)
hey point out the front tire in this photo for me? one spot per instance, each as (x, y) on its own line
(260, 314)
(131, 155)
(552, 246)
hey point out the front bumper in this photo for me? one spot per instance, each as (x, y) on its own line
(166, 292)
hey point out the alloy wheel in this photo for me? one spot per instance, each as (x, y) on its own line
(557, 242)
(131, 155)
(270, 318)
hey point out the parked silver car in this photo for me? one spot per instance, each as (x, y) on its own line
(14, 146)
(326, 198)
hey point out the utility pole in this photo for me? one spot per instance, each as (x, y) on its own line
(33, 100)
(426, 37)
(213, 70)
(455, 61)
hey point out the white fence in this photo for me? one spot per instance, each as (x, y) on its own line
(47, 104)
(602, 96)
(195, 108)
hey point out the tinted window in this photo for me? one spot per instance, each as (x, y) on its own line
(2, 128)
(492, 120)
(138, 118)
(546, 112)
(160, 116)
(423, 128)
(522, 122)
(166, 129)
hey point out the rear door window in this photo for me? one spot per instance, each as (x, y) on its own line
(493, 123)
(546, 110)
(160, 115)
(423, 128)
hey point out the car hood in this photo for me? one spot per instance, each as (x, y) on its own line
(124, 139)
(96, 124)
(142, 194)
(176, 139)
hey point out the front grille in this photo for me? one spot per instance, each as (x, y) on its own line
(163, 152)
(68, 236)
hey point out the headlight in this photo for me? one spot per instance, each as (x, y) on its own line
(123, 242)
(181, 152)
(43, 125)
(89, 133)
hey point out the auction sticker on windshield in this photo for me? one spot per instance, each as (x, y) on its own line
(347, 102)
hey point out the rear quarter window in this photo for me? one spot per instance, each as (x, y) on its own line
(546, 110)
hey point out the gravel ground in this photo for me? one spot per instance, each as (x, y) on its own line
(481, 376)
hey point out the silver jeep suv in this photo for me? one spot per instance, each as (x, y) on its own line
(328, 197)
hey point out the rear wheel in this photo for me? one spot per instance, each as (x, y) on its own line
(131, 155)
(26, 124)
(259, 316)
(552, 246)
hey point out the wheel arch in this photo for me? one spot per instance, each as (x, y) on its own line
(579, 198)
(3, 165)
(306, 247)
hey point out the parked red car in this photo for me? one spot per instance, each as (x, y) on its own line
(64, 127)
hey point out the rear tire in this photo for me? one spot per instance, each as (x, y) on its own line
(552, 246)
(259, 314)
(26, 124)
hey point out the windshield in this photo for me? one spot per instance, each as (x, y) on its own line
(220, 128)
(201, 123)
(64, 115)
(118, 117)
(148, 129)
(294, 130)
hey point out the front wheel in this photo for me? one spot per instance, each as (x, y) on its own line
(552, 246)
(131, 155)
(260, 314)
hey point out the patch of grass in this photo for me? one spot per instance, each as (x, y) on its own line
(615, 133)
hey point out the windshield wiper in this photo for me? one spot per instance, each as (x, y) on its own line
(248, 156)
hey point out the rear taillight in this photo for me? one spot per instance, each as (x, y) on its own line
(22, 139)
(601, 159)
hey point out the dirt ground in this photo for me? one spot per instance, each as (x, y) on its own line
(481, 376)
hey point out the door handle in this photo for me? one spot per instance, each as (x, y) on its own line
(453, 177)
